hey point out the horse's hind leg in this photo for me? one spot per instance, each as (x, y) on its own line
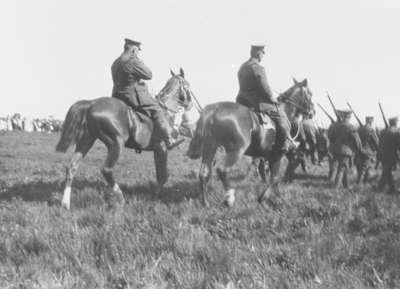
(262, 169)
(205, 170)
(114, 150)
(160, 160)
(82, 148)
(231, 158)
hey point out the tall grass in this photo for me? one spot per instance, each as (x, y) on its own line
(315, 237)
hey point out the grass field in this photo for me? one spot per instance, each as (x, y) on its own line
(314, 238)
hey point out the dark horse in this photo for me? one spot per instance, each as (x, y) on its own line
(113, 122)
(237, 129)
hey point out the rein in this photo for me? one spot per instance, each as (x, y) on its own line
(289, 100)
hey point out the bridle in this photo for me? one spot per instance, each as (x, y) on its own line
(181, 104)
(285, 97)
(289, 99)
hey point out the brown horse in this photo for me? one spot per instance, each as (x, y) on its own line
(237, 129)
(113, 122)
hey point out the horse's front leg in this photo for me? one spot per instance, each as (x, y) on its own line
(160, 161)
(273, 187)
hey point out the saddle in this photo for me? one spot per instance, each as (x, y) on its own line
(264, 120)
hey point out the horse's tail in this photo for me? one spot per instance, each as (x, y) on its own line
(200, 134)
(74, 126)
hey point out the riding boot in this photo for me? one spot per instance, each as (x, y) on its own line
(165, 129)
(283, 144)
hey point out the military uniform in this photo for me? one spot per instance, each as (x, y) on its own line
(255, 93)
(370, 143)
(345, 141)
(309, 134)
(322, 144)
(389, 146)
(128, 74)
(331, 133)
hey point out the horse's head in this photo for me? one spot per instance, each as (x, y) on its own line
(176, 93)
(299, 97)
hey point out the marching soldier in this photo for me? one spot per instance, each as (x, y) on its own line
(370, 143)
(331, 133)
(128, 74)
(388, 153)
(255, 93)
(345, 142)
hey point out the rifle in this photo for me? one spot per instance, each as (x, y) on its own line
(326, 113)
(383, 115)
(333, 106)
(352, 110)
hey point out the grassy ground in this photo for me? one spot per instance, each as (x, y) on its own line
(315, 237)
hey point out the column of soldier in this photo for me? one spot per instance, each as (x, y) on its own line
(364, 147)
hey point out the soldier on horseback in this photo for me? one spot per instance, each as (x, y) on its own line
(255, 93)
(128, 72)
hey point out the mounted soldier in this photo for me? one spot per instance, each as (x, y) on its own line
(128, 74)
(388, 153)
(345, 142)
(370, 143)
(255, 93)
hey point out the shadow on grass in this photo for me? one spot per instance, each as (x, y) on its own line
(42, 191)
(175, 193)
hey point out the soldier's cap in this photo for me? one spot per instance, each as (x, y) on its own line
(393, 120)
(258, 48)
(369, 118)
(131, 42)
(344, 113)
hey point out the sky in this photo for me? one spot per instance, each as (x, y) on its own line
(54, 53)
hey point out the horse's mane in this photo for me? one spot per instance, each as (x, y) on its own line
(165, 90)
(284, 96)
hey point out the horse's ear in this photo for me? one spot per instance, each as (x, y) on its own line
(295, 81)
(181, 72)
(305, 82)
(172, 73)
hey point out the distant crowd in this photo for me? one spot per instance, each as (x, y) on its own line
(22, 123)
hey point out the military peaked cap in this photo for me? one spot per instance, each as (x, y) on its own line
(131, 42)
(393, 120)
(344, 113)
(258, 48)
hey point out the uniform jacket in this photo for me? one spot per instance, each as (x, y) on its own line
(369, 139)
(389, 145)
(344, 139)
(254, 90)
(128, 73)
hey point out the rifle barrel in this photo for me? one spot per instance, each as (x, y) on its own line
(357, 118)
(383, 115)
(333, 106)
(326, 113)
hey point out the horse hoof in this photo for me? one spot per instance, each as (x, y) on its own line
(228, 203)
(65, 205)
(157, 190)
